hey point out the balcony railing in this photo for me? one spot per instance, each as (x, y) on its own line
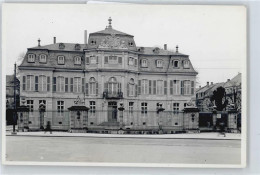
(113, 94)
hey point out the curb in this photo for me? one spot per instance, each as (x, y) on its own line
(126, 137)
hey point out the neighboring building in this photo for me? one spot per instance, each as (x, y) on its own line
(232, 94)
(106, 70)
(233, 91)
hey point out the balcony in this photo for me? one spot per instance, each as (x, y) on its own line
(112, 94)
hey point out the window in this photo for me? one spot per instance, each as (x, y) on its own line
(29, 83)
(93, 60)
(77, 84)
(131, 108)
(176, 87)
(48, 84)
(71, 84)
(43, 58)
(144, 108)
(92, 86)
(144, 87)
(77, 60)
(30, 105)
(131, 61)
(113, 86)
(159, 63)
(176, 107)
(158, 105)
(36, 83)
(112, 60)
(60, 107)
(159, 87)
(186, 64)
(175, 64)
(131, 87)
(60, 84)
(42, 83)
(92, 42)
(144, 63)
(187, 87)
(66, 84)
(24, 83)
(92, 107)
(61, 60)
(31, 58)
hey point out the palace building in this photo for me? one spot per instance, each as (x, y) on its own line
(109, 69)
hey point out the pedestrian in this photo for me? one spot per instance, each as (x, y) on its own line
(48, 127)
(222, 128)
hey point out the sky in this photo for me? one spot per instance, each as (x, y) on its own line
(214, 37)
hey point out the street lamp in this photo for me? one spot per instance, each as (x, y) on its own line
(121, 109)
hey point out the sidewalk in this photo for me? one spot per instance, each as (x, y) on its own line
(207, 136)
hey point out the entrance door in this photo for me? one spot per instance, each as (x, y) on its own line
(112, 111)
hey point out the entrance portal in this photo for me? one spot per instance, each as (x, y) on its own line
(112, 111)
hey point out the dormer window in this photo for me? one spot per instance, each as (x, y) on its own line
(159, 63)
(31, 58)
(144, 63)
(43, 58)
(186, 64)
(131, 44)
(131, 61)
(77, 47)
(156, 50)
(93, 42)
(61, 59)
(77, 60)
(175, 63)
(61, 46)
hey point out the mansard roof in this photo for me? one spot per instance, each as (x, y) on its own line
(157, 51)
(110, 31)
(56, 46)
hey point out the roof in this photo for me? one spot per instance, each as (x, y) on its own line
(9, 80)
(68, 47)
(150, 51)
(110, 31)
(211, 87)
(236, 81)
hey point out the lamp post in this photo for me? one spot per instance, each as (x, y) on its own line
(160, 109)
(14, 112)
(121, 109)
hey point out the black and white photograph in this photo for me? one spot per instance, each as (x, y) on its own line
(124, 85)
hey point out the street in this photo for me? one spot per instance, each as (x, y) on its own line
(123, 150)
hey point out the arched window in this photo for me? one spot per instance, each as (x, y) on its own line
(144, 63)
(159, 63)
(131, 87)
(61, 59)
(186, 64)
(77, 60)
(113, 86)
(175, 63)
(92, 86)
(31, 58)
(42, 58)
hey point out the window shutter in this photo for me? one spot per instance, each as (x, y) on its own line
(96, 88)
(71, 84)
(86, 89)
(97, 59)
(165, 87)
(136, 91)
(48, 84)
(75, 85)
(182, 87)
(36, 83)
(66, 84)
(87, 60)
(150, 86)
(139, 87)
(128, 60)
(106, 59)
(156, 63)
(120, 60)
(119, 87)
(192, 87)
(154, 86)
(106, 87)
(171, 87)
(24, 83)
(83, 84)
(127, 89)
(54, 84)
(135, 62)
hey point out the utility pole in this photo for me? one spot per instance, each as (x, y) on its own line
(14, 112)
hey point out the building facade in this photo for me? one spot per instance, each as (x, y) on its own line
(107, 70)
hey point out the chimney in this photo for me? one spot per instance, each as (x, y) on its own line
(177, 49)
(207, 83)
(54, 40)
(39, 42)
(211, 83)
(86, 37)
(165, 46)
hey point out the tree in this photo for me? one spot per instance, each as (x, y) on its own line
(219, 98)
